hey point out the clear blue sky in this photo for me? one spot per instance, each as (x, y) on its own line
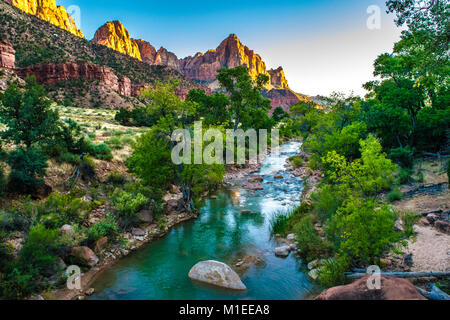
(323, 45)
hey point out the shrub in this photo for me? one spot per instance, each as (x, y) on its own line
(333, 272)
(395, 195)
(101, 152)
(279, 223)
(27, 169)
(16, 285)
(60, 209)
(409, 219)
(296, 162)
(402, 156)
(87, 167)
(362, 231)
(326, 201)
(38, 252)
(104, 228)
(128, 205)
(116, 178)
(2, 181)
(405, 176)
(310, 244)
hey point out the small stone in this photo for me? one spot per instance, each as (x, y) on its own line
(282, 251)
(66, 229)
(216, 273)
(293, 247)
(90, 291)
(101, 244)
(424, 222)
(279, 177)
(442, 226)
(137, 232)
(291, 237)
(246, 211)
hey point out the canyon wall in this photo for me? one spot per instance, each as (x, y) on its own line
(7, 55)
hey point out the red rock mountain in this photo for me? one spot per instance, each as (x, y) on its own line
(203, 67)
(114, 35)
(230, 54)
(48, 10)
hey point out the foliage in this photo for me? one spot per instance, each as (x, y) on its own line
(361, 230)
(128, 205)
(395, 195)
(249, 109)
(409, 219)
(104, 228)
(402, 156)
(213, 109)
(310, 244)
(279, 223)
(332, 272)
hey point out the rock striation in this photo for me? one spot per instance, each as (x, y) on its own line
(7, 55)
(48, 10)
(51, 74)
(114, 35)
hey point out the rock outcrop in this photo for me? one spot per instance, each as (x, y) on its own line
(217, 274)
(7, 55)
(48, 10)
(147, 51)
(278, 78)
(391, 289)
(85, 256)
(51, 74)
(284, 98)
(114, 35)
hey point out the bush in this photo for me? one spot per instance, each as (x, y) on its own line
(104, 228)
(405, 176)
(333, 272)
(101, 152)
(60, 209)
(310, 244)
(296, 162)
(87, 167)
(403, 157)
(395, 195)
(362, 230)
(27, 169)
(279, 224)
(409, 219)
(128, 205)
(326, 201)
(2, 181)
(116, 179)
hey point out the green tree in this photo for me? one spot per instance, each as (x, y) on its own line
(31, 124)
(249, 109)
(213, 109)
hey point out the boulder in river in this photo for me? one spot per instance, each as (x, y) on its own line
(282, 251)
(217, 274)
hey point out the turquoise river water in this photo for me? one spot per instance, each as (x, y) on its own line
(160, 269)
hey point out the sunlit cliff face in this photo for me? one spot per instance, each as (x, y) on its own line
(48, 11)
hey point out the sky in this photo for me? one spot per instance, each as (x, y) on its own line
(324, 46)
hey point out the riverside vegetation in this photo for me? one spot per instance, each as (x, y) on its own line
(366, 149)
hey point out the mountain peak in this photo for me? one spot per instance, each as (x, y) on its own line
(115, 36)
(48, 11)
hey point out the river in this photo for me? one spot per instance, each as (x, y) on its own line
(159, 270)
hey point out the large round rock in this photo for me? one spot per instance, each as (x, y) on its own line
(216, 273)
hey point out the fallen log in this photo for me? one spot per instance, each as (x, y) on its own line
(359, 275)
(434, 294)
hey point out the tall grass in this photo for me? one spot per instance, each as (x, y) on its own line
(279, 224)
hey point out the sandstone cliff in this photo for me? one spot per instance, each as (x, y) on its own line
(48, 11)
(7, 55)
(114, 35)
(278, 78)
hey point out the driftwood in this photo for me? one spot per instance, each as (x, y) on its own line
(434, 294)
(359, 275)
